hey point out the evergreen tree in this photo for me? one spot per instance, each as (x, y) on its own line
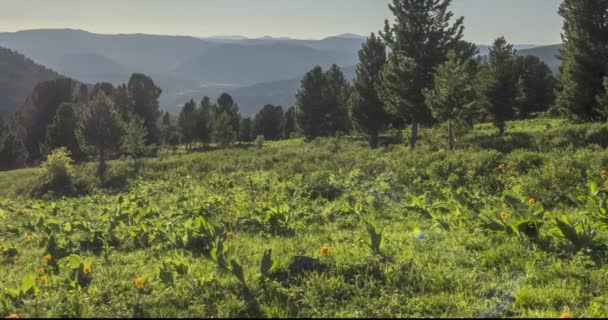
(12, 153)
(204, 125)
(536, 86)
(38, 111)
(61, 132)
(335, 97)
(367, 109)
(453, 93)
(584, 58)
(310, 105)
(143, 94)
(225, 104)
(99, 130)
(223, 132)
(290, 122)
(134, 140)
(268, 122)
(602, 101)
(187, 123)
(497, 84)
(423, 32)
(246, 130)
(165, 128)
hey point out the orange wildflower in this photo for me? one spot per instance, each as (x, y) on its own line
(566, 315)
(12, 316)
(324, 251)
(139, 283)
(47, 258)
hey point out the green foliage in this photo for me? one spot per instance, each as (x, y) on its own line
(11, 148)
(57, 173)
(223, 131)
(453, 96)
(497, 84)
(584, 59)
(61, 132)
(367, 109)
(134, 140)
(268, 122)
(416, 52)
(143, 94)
(259, 142)
(100, 131)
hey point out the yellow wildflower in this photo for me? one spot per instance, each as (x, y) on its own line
(324, 251)
(16, 259)
(505, 215)
(566, 315)
(604, 174)
(531, 201)
(29, 237)
(87, 269)
(47, 258)
(41, 271)
(139, 283)
(229, 235)
(12, 316)
(44, 280)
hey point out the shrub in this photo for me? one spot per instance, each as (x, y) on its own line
(57, 174)
(259, 142)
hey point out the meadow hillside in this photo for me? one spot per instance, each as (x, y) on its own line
(511, 226)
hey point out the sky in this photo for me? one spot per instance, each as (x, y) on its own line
(520, 21)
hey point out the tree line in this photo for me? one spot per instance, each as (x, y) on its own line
(417, 71)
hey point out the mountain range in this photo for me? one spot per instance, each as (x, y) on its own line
(255, 71)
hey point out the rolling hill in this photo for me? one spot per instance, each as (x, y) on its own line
(548, 54)
(18, 77)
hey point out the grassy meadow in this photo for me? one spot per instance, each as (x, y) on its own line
(512, 226)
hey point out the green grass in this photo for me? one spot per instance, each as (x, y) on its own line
(439, 256)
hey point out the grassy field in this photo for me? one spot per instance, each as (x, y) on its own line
(512, 226)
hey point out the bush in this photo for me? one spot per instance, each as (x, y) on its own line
(259, 142)
(57, 174)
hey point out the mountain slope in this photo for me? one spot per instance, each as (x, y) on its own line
(241, 65)
(548, 54)
(18, 77)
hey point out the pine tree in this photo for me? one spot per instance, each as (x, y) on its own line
(187, 123)
(246, 130)
(602, 101)
(223, 132)
(268, 122)
(423, 32)
(290, 122)
(452, 95)
(204, 124)
(367, 109)
(99, 130)
(536, 86)
(143, 94)
(61, 132)
(225, 104)
(584, 58)
(497, 84)
(335, 97)
(310, 104)
(12, 153)
(134, 140)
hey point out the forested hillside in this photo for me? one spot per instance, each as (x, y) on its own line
(18, 77)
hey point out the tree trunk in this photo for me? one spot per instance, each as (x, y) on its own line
(450, 136)
(414, 137)
(501, 129)
(373, 140)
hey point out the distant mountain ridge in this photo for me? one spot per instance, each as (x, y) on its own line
(255, 70)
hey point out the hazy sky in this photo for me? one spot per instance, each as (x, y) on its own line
(521, 21)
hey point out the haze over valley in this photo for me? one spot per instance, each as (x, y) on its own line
(255, 71)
